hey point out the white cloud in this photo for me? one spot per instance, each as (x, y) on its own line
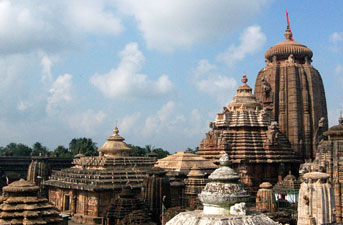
(209, 81)
(336, 40)
(338, 73)
(27, 26)
(165, 119)
(87, 122)
(46, 70)
(339, 70)
(251, 40)
(171, 24)
(60, 93)
(126, 81)
(94, 16)
(22, 106)
(128, 123)
(336, 37)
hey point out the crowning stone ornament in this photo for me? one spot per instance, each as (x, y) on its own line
(224, 202)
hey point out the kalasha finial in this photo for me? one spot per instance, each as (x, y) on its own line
(224, 160)
(340, 119)
(244, 79)
(116, 131)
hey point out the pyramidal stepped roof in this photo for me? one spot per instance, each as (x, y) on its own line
(115, 146)
(184, 161)
(20, 204)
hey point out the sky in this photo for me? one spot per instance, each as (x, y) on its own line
(161, 70)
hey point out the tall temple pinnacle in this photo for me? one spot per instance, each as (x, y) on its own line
(293, 91)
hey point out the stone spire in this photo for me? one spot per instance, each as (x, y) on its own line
(195, 182)
(244, 100)
(38, 172)
(114, 146)
(126, 204)
(293, 91)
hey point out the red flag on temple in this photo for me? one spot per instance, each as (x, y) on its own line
(288, 26)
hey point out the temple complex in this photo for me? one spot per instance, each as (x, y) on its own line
(256, 147)
(87, 190)
(20, 203)
(292, 89)
(223, 199)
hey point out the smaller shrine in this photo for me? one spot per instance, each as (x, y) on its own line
(39, 172)
(87, 190)
(194, 183)
(124, 205)
(245, 131)
(265, 198)
(224, 202)
(20, 203)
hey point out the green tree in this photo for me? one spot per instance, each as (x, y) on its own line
(14, 149)
(161, 153)
(39, 149)
(84, 146)
(137, 151)
(62, 152)
(191, 150)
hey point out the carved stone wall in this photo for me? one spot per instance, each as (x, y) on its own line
(292, 89)
(316, 200)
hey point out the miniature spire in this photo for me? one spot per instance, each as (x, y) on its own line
(116, 131)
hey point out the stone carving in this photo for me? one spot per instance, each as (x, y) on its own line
(238, 209)
(307, 61)
(316, 200)
(273, 134)
(267, 88)
(291, 59)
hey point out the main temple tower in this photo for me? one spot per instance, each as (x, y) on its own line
(292, 89)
